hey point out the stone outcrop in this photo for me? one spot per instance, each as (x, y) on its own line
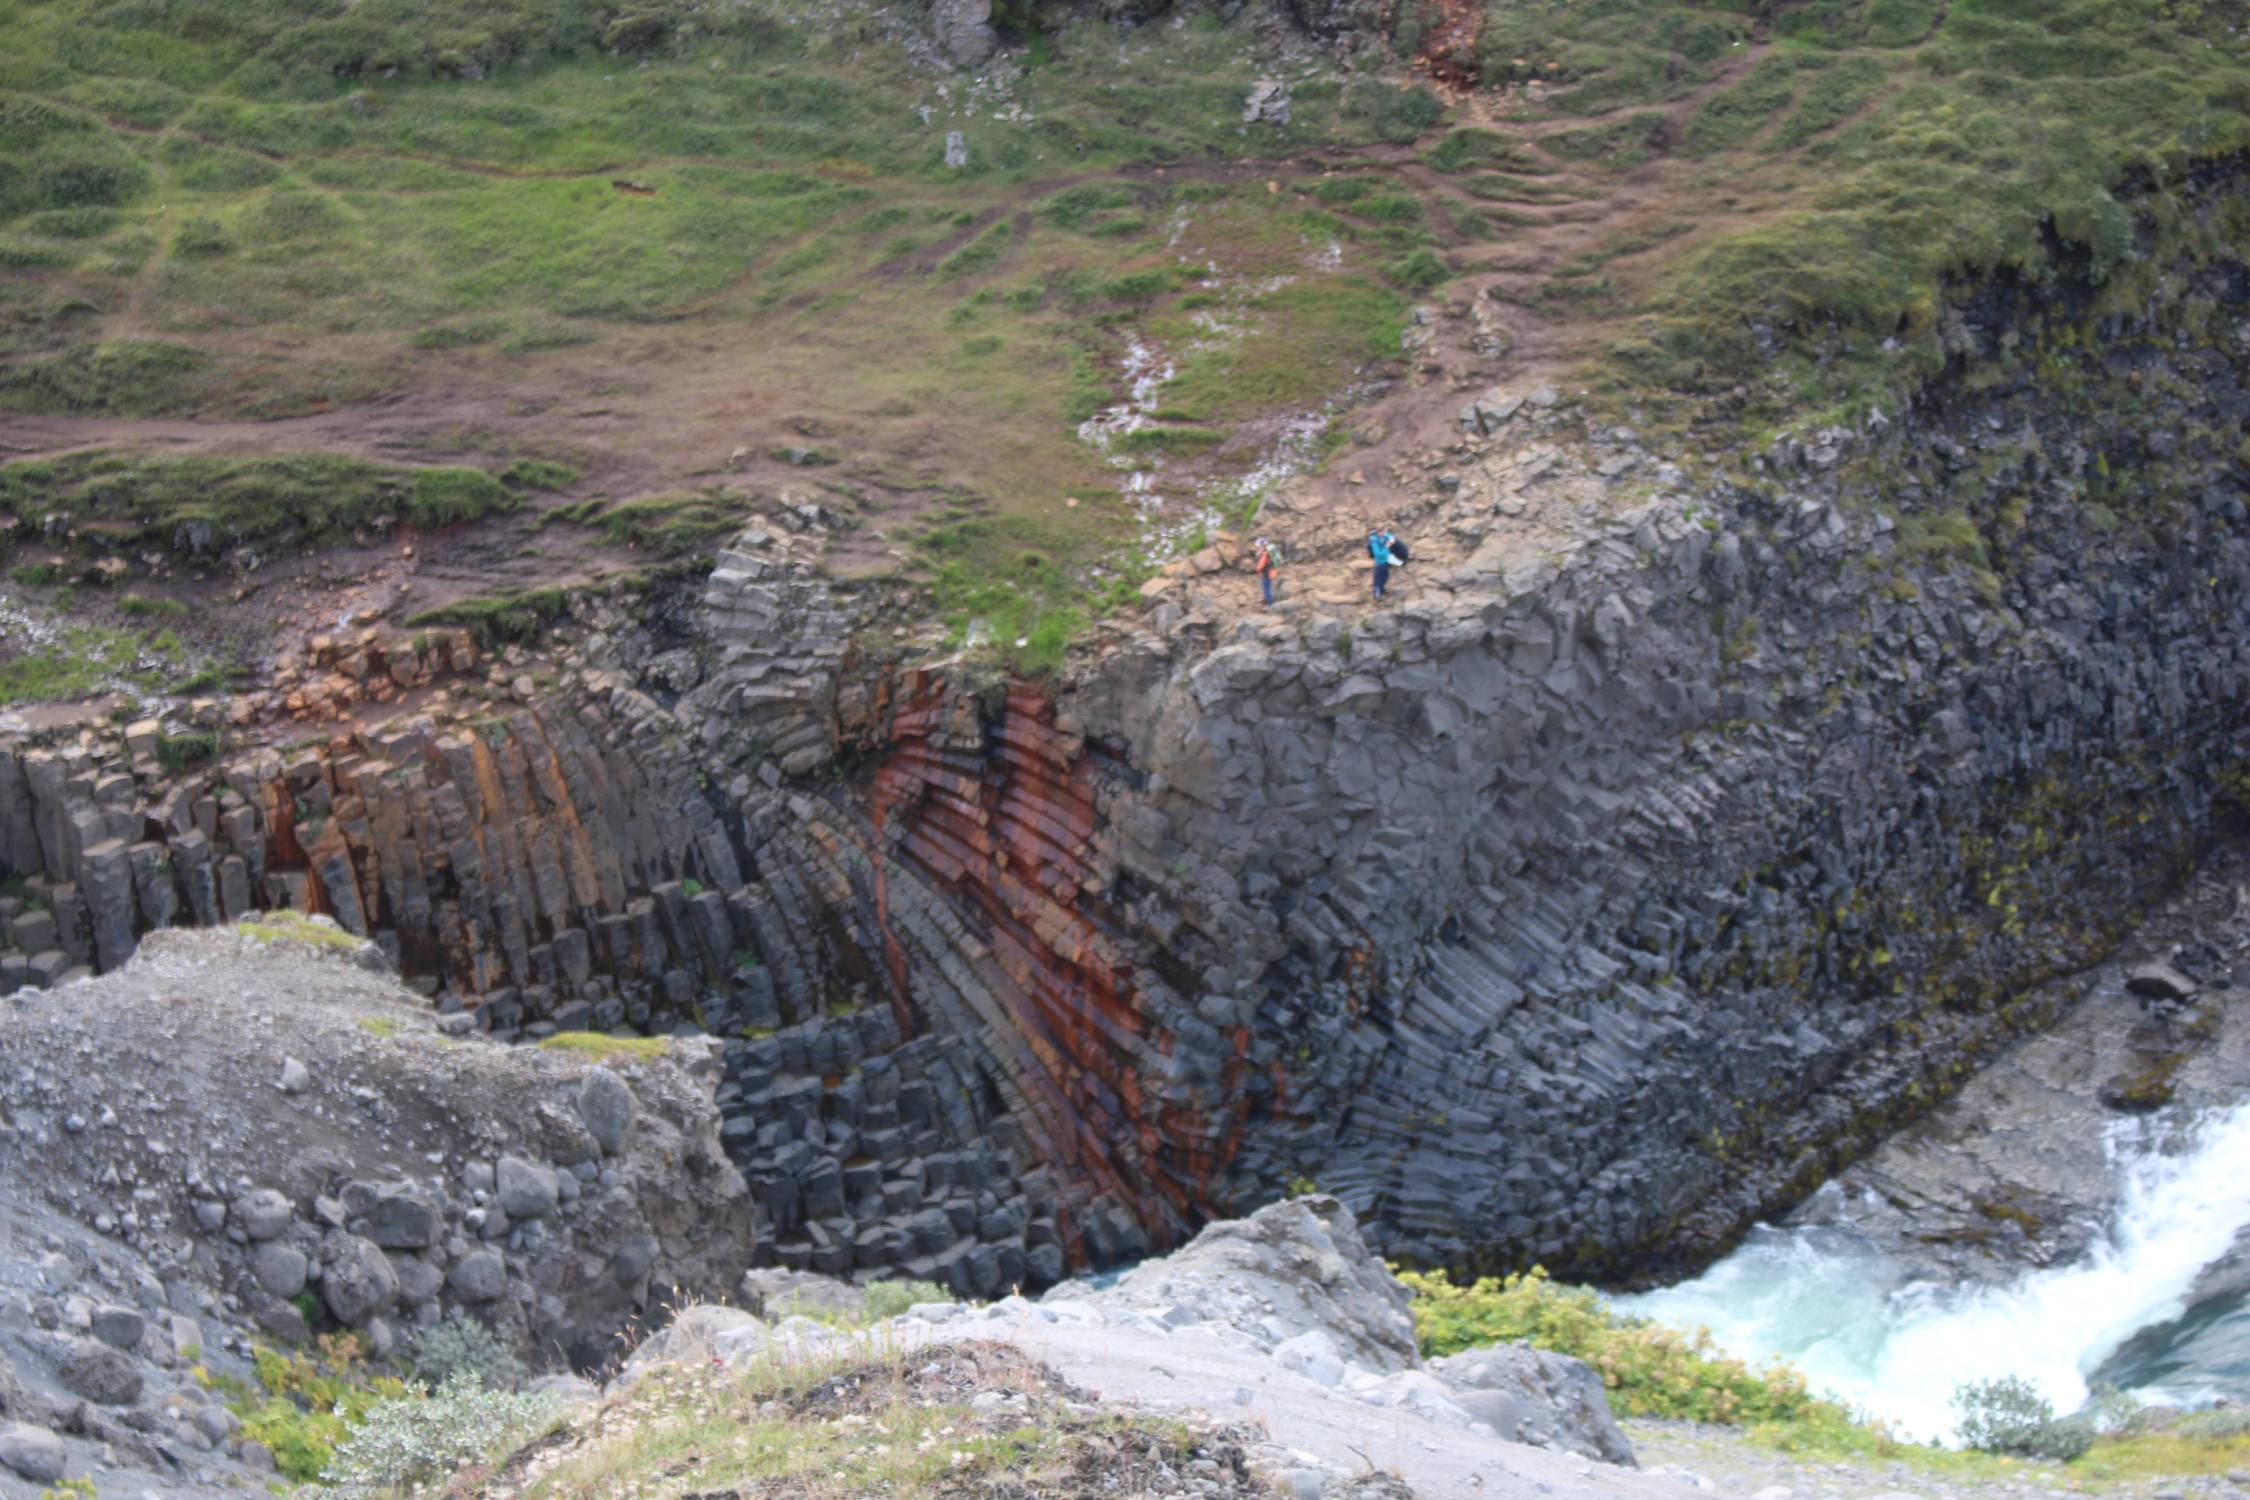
(414, 1177)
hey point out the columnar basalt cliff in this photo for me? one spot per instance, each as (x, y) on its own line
(1666, 843)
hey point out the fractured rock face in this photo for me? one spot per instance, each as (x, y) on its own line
(964, 31)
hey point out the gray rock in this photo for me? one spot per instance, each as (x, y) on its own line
(1267, 103)
(480, 1277)
(607, 1106)
(402, 1219)
(772, 1292)
(356, 1279)
(279, 1268)
(956, 149)
(1558, 1401)
(1311, 1354)
(1290, 1268)
(32, 1452)
(573, 1389)
(418, 1280)
(119, 1327)
(696, 1335)
(262, 1213)
(527, 1190)
(964, 31)
(295, 1077)
(2159, 981)
(216, 1423)
(100, 1374)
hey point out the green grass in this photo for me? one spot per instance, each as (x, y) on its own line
(499, 618)
(84, 660)
(1996, 119)
(283, 925)
(602, 1047)
(295, 498)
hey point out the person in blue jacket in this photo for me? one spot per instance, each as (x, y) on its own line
(1379, 549)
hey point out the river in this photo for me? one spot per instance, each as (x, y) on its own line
(1896, 1345)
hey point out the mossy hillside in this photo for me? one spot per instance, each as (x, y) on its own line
(1878, 148)
(118, 500)
(500, 189)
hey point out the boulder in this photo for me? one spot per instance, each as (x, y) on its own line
(1551, 1399)
(696, 1335)
(119, 1327)
(34, 1453)
(964, 31)
(479, 1277)
(2158, 981)
(1290, 1268)
(356, 1281)
(402, 1219)
(772, 1292)
(262, 1213)
(279, 1268)
(103, 1375)
(526, 1189)
(606, 1105)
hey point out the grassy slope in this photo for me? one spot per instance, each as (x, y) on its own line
(256, 208)
(1878, 147)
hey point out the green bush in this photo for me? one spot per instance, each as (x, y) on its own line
(412, 1437)
(462, 1348)
(2009, 1416)
(1651, 1371)
(308, 1406)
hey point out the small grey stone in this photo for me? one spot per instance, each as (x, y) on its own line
(280, 1269)
(33, 1452)
(480, 1277)
(295, 1076)
(119, 1327)
(100, 1374)
(262, 1214)
(356, 1280)
(607, 1107)
(418, 1281)
(527, 1189)
(210, 1215)
(216, 1423)
(476, 1177)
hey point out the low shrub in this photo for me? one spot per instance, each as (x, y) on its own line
(2009, 1416)
(411, 1437)
(308, 1406)
(1651, 1371)
(459, 1347)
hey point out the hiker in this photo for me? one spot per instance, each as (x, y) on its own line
(1261, 563)
(1380, 545)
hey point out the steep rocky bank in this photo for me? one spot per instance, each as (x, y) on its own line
(243, 1136)
(1677, 832)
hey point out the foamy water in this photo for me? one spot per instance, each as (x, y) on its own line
(1827, 1301)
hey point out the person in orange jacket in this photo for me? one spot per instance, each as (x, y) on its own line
(1262, 563)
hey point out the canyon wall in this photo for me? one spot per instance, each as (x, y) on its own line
(1606, 891)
